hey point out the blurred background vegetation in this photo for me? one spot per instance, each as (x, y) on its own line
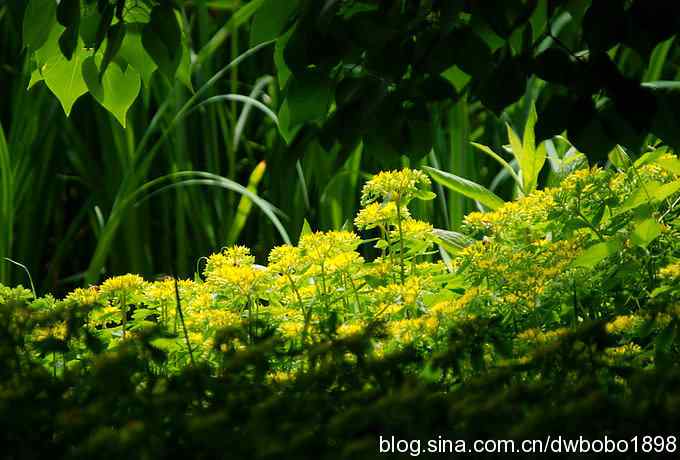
(65, 177)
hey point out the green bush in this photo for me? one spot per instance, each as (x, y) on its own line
(554, 314)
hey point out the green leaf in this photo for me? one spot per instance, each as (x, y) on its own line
(309, 96)
(65, 78)
(425, 195)
(117, 91)
(282, 70)
(184, 69)
(650, 157)
(619, 158)
(133, 52)
(456, 77)
(68, 42)
(640, 196)
(68, 15)
(666, 190)
(39, 18)
(597, 253)
(466, 187)
(453, 242)
(670, 164)
(162, 39)
(271, 19)
(104, 25)
(114, 41)
(665, 338)
(306, 228)
(529, 158)
(646, 231)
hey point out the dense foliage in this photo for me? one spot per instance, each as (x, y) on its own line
(563, 304)
(512, 273)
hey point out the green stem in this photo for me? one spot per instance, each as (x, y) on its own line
(302, 307)
(401, 243)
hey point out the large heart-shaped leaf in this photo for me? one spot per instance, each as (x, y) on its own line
(117, 91)
(63, 77)
(133, 52)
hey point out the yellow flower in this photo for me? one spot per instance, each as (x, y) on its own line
(285, 259)
(349, 329)
(379, 214)
(343, 262)
(122, 285)
(84, 296)
(415, 230)
(394, 185)
(622, 323)
(319, 246)
(245, 279)
(291, 329)
(670, 272)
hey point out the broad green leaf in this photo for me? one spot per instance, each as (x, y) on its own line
(63, 77)
(36, 77)
(619, 158)
(133, 52)
(517, 150)
(530, 158)
(597, 253)
(287, 131)
(650, 157)
(670, 164)
(104, 25)
(114, 40)
(39, 18)
(641, 195)
(309, 96)
(646, 231)
(666, 190)
(68, 15)
(466, 187)
(453, 242)
(162, 39)
(117, 90)
(271, 19)
(457, 77)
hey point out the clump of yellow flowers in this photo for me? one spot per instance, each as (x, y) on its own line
(521, 268)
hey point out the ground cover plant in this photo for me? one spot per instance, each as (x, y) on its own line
(567, 297)
(307, 229)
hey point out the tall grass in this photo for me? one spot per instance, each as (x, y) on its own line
(82, 198)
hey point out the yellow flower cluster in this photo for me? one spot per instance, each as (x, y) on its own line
(377, 214)
(518, 269)
(623, 323)
(318, 247)
(124, 285)
(670, 272)
(396, 186)
(517, 214)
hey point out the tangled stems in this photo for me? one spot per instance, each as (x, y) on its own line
(305, 314)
